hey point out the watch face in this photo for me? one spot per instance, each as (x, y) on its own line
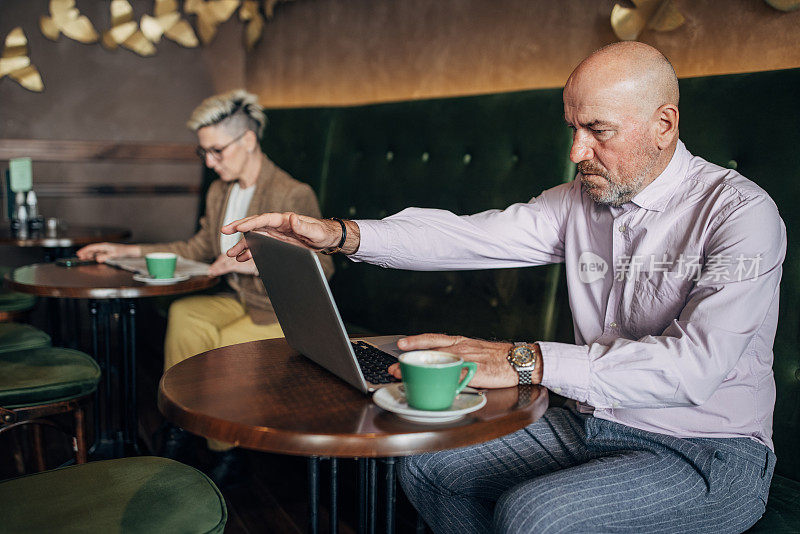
(522, 356)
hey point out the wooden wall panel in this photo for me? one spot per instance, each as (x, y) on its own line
(69, 150)
(319, 52)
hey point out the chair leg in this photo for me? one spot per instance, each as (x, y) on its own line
(80, 436)
(38, 447)
(19, 458)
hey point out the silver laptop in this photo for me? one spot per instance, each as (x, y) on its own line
(310, 320)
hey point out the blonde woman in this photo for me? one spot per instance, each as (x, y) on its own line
(229, 128)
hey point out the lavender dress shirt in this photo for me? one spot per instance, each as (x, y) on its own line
(674, 295)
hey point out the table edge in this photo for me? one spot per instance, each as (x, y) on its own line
(341, 445)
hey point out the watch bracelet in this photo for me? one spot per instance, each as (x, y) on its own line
(526, 375)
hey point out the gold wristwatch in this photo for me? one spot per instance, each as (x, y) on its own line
(523, 359)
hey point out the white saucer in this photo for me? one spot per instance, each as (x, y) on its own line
(147, 279)
(393, 399)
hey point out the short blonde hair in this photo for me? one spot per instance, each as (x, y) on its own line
(236, 111)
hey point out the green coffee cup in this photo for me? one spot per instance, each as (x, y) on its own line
(161, 264)
(431, 378)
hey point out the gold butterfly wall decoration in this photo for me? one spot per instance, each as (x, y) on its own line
(169, 23)
(125, 31)
(269, 7)
(659, 15)
(210, 14)
(65, 18)
(784, 5)
(16, 64)
(250, 14)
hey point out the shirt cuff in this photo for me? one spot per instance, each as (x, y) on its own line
(373, 245)
(565, 369)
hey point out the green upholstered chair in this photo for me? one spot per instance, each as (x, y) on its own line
(129, 495)
(783, 508)
(16, 337)
(13, 305)
(39, 383)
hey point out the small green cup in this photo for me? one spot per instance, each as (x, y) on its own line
(161, 264)
(431, 378)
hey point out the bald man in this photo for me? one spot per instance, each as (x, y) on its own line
(673, 266)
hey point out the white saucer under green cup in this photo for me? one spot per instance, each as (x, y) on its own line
(161, 264)
(431, 378)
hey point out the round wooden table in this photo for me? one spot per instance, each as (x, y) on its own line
(95, 281)
(263, 395)
(111, 295)
(72, 236)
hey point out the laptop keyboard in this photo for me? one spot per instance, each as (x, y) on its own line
(374, 362)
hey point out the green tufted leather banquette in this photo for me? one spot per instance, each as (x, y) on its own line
(469, 154)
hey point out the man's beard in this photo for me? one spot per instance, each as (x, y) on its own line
(619, 189)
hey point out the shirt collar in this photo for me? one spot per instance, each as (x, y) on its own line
(657, 194)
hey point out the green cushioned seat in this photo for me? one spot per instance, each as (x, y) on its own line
(128, 495)
(16, 337)
(44, 375)
(783, 508)
(11, 301)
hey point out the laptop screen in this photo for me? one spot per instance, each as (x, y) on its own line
(304, 305)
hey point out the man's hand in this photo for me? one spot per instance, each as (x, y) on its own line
(309, 232)
(225, 264)
(100, 252)
(494, 371)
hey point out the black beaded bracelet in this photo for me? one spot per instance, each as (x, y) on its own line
(338, 247)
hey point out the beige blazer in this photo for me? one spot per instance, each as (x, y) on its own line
(276, 191)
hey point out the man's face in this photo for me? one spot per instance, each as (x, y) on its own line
(612, 142)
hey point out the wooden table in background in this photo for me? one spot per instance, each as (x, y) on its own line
(265, 396)
(111, 295)
(64, 240)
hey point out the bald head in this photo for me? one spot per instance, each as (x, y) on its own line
(629, 70)
(622, 104)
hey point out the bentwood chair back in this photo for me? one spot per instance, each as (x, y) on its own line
(13, 306)
(38, 384)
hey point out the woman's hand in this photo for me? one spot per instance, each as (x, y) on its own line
(100, 252)
(494, 371)
(224, 265)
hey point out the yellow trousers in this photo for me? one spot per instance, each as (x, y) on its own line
(204, 322)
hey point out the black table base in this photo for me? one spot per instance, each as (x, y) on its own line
(116, 419)
(367, 494)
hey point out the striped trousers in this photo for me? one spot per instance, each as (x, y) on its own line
(570, 472)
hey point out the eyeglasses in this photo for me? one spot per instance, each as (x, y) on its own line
(216, 153)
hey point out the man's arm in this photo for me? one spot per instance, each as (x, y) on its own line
(302, 230)
(721, 322)
(425, 239)
(303, 201)
(494, 370)
(428, 239)
(682, 366)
